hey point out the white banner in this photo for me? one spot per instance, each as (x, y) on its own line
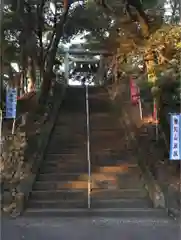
(175, 137)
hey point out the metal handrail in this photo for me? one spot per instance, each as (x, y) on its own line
(88, 146)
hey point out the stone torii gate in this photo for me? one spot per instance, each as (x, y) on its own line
(71, 54)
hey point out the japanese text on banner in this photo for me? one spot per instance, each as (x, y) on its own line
(175, 137)
(134, 90)
(11, 102)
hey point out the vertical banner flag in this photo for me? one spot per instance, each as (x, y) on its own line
(155, 112)
(175, 137)
(134, 90)
(11, 102)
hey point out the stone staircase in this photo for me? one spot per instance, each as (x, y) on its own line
(117, 186)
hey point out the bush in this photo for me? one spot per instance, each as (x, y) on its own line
(168, 102)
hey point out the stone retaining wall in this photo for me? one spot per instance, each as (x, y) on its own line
(19, 156)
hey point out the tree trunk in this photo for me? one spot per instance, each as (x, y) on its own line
(50, 62)
(31, 75)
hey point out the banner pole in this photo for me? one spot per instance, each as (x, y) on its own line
(140, 109)
(13, 127)
(140, 105)
(156, 119)
(88, 146)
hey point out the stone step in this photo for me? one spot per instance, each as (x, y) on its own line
(75, 130)
(60, 177)
(99, 176)
(63, 157)
(100, 157)
(109, 166)
(66, 162)
(104, 123)
(117, 188)
(101, 146)
(103, 128)
(55, 147)
(79, 194)
(71, 194)
(78, 119)
(105, 133)
(100, 204)
(68, 139)
(57, 136)
(83, 184)
(56, 150)
(102, 194)
(123, 213)
(96, 166)
(73, 142)
(71, 132)
(110, 160)
(109, 153)
(95, 162)
(63, 168)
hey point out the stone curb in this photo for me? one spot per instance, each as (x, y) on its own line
(162, 196)
(171, 204)
(159, 196)
(25, 187)
(155, 193)
(172, 196)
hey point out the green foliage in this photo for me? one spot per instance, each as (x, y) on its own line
(168, 102)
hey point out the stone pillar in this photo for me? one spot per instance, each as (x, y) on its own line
(66, 62)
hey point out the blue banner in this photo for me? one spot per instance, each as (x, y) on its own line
(11, 102)
(175, 137)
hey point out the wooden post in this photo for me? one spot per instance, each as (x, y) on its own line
(66, 62)
(22, 91)
(101, 67)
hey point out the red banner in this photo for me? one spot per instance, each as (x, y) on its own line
(134, 90)
(155, 112)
